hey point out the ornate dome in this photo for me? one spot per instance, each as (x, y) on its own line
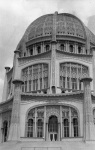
(58, 25)
(65, 24)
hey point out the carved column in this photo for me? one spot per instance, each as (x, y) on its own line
(89, 128)
(14, 133)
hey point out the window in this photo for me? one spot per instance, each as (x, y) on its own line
(38, 49)
(47, 48)
(39, 128)
(30, 128)
(29, 85)
(70, 75)
(79, 49)
(79, 85)
(66, 128)
(45, 82)
(75, 126)
(68, 83)
(71, 48)
(62, 47)
(40, 83)
(5, 130)
(36, 76)
(25, 86)
(74, 83)
(31, 51)
(24, 54)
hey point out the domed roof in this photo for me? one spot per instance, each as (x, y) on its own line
(58, 25)
(65, 24)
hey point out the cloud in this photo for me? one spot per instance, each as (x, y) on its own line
(16, 15)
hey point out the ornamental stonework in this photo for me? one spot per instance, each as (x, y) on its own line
(73, 56)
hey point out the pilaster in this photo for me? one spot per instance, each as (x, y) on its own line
(14, 133)
(89, 128)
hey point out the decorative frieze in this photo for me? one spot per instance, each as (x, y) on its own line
(60, 55)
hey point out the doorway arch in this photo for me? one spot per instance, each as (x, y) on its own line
(53, 128)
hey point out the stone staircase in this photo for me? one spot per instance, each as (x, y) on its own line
(43, 145)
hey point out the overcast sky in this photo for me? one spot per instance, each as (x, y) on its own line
(16, 15)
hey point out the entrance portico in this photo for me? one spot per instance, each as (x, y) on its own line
(52, 123)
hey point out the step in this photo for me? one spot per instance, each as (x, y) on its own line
(41, 148)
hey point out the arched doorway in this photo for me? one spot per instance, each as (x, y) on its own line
(53, 128)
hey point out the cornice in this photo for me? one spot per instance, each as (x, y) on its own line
(83, 57)
(45, 55)
(70, 38)
(74, 96)
(38, 39)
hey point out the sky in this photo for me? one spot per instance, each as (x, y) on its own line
(16, 15)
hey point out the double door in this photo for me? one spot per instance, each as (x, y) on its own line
(53, 136)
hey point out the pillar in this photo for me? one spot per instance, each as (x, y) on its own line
(14, 133)
(35, 122)
(47, 131)
(45, 122)
(53, 56)
(5, 89)
(70, 122)
(61, 127)
(93, 49)
(58, 131)
(89, 128)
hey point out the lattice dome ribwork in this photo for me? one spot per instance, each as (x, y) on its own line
(65, 25)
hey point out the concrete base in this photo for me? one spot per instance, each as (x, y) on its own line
(63, 145)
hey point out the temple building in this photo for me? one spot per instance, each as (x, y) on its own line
(49, 93)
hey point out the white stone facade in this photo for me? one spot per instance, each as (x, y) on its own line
(49, 63)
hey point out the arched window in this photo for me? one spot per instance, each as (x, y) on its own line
(35, 78)
(70, 75)
(75, 127)
(62, 47)
(71, 47)
(31, 51)
(66, 128)
(39, 128)
(79, 49)
(47, 48)
(30, 128)
(38, 49)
